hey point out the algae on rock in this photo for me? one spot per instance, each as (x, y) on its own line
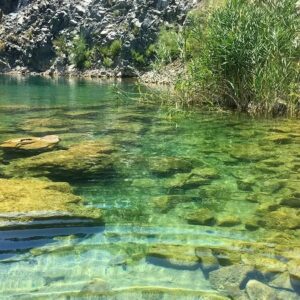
(84, 160)
(26, 200)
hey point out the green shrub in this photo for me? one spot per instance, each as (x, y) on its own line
(151, 50)
(80, 53)
(245, 52)
(111, 51)
(115, 48)
(60, 45)
(2, 46)
(107, 62)
(169, 46)
(137, 57)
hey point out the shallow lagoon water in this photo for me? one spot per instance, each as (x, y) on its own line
(189, 194)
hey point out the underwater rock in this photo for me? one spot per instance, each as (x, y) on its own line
(252, 224)
(228, 221)
(190, 180)
(185, 181)
(206, 172)
(96, 286)
(174, 255)
(291, 198)
(57, 125)
(121, 127)
(279, 139)
(264, 263)
(164, 166)
(281, 219)
(257, 290)
(282, 281)
(246, 184)
(167, 202)
(294, 268)
(208, 261)
(144, 183)
(249, 153)
(37, 123)
(26, 200)
(81, 114)
(31, 144)
(231, 280)
(202, 216)
(85, 160)
(227, 256)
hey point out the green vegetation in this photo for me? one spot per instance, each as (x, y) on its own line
(107, 62)
(83, 55)
(80, 53)
(111, 51)
(242, 54)
(138, 57)
(2, 46)
(60, 45)
(169, 46)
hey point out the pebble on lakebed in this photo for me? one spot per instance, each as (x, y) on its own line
(23, 201)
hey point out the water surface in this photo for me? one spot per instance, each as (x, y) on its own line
(240, 174)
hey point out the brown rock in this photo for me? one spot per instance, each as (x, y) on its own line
(31, 143)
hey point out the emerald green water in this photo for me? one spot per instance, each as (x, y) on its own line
(147, 248)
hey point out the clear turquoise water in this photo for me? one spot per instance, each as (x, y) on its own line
(253, 159)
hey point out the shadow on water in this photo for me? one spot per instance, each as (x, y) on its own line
(21, 240)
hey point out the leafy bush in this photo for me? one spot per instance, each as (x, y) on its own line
(151, 50)
(60, 45)
(107, 62)
(80, 53)
(2, 46)
(115, 48)
(137, 57)
(169, 46)
(111, 51)
(245, 53)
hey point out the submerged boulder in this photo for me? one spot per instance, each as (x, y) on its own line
(201, 216)
(85, 160)
(31, 144)
(257, 290)
(34, 201)
(249, 153)
(231, 280)
(179, 256)
(164, 166)
(167, 202)
(282, 219)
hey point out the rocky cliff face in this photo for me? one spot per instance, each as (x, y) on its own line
(31, 31)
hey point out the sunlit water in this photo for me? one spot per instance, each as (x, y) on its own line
(256, 164)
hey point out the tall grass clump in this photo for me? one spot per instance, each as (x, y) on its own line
(169, 46)
(244, 54)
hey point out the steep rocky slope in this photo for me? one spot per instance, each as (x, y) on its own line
(30, 30)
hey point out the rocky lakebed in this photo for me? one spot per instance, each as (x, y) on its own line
(113, 198)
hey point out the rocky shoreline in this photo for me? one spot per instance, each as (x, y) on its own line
(37, 37)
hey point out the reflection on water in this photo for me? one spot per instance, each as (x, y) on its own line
(198, 207)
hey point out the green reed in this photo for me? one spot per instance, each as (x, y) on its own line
(244, 54)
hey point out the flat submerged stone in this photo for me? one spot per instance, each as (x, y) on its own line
(84, 160)
(33, 144)
(24, 201)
